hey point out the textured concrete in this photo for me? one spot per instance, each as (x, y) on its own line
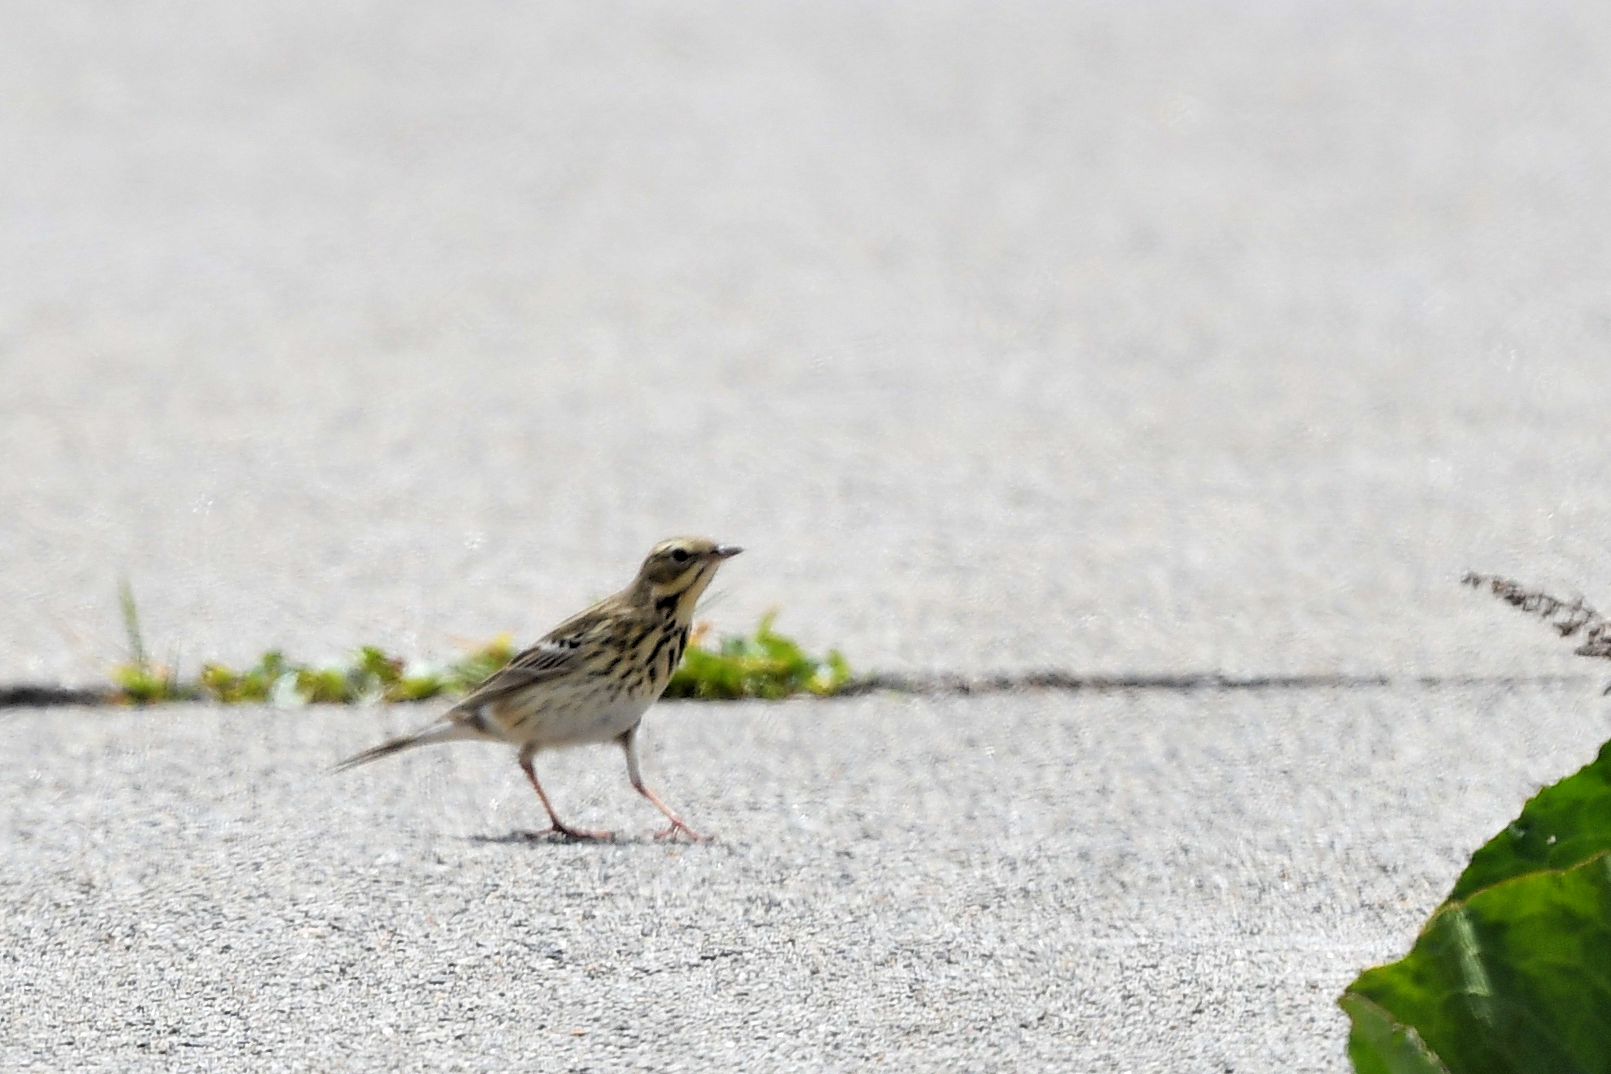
(1120, 337)
(1117, 338)
(1117, 882)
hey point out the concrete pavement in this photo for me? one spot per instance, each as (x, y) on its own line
(1127, 881)
(1115, 339)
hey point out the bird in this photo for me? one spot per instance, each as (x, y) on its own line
(589, 680)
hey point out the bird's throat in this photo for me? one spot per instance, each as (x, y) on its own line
(676, 602)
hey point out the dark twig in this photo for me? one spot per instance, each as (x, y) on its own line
(1569, 618)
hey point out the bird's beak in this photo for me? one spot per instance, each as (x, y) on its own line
(726, 551)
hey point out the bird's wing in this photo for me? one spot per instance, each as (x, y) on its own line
(557, 653)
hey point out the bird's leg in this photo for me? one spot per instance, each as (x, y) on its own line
(557, 826)
(629, 742)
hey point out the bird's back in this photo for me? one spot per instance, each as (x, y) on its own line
(588, 680)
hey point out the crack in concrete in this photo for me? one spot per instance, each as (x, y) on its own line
(40, 695)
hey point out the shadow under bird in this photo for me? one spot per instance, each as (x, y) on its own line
(588, 680)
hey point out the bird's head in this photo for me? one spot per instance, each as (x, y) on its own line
(677, 571)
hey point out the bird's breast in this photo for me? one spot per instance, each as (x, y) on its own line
(577, 719)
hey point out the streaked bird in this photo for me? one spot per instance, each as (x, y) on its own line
(590, 679)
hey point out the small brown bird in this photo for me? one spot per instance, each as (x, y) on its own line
(590, 679)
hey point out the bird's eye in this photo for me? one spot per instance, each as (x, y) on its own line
(680, 555)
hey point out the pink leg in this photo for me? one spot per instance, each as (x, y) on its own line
(557, 826)
(630, 744)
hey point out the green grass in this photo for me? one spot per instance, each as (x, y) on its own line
(370, 675)
(140, 681)
(764, 664)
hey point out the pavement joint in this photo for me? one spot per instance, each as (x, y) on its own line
(36, 695)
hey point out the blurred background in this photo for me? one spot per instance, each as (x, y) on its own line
(1114, 338)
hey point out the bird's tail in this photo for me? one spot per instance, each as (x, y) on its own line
(442, 732)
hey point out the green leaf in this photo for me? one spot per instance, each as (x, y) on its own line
(1563, 825)
(1517, 978)
(1380, 1045)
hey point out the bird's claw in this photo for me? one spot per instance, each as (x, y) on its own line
(670, 832)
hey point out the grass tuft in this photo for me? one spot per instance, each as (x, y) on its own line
(139, 681)
(764, 665)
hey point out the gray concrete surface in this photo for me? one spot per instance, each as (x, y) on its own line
(1116, 882)
(1121, 339)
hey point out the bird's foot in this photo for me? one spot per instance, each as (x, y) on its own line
(564, 833)
(672, 830)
